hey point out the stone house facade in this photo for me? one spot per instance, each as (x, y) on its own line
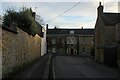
(118, 42)
(70, 41)
(105, 37)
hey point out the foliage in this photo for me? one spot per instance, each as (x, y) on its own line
(24, 19)
(9, 17)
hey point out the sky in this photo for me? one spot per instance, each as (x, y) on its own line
(83, 15)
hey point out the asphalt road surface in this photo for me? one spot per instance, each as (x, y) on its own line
(71, 67)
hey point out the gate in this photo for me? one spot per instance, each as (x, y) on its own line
(110, 56)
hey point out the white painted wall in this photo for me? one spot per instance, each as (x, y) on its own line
(43, 43)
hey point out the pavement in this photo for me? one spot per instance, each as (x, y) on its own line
(81, 68)
(37, 71)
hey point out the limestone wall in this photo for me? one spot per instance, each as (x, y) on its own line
(99, 40)
(0, 52)
(118, 43)
(18, 49)
(87, 43)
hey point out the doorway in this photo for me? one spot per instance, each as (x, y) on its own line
(71, 51)
(110, 56)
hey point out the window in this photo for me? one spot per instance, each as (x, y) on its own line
(84, 43)
(72, 32)
(62, 42)
(53, 41)
(83, 49)
(92, 42)
(53, 50)
(71, 40)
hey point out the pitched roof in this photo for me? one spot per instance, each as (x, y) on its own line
(67, 31)
(110, 19)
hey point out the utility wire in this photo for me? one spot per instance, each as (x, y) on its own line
(63, 12)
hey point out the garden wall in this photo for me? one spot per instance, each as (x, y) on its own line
(18, 49)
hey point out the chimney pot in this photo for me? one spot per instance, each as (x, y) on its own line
(100, 9)
(99, 3)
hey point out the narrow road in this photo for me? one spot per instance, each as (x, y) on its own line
(66, 67)
(81, 68)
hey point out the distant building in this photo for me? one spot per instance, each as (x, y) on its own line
(70, 41)
(105, 37)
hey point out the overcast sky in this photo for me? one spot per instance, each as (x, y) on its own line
(83, 15)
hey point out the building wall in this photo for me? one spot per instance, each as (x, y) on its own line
(105, 36)
(43, 43)
(86, 43)
(56, 44)
(18, 49)
(64, 45)
(60, 45)
(99, 40)
(118, 43)
(110, 36)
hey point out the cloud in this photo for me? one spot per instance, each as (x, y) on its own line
(41, 0)
(84, 14)
(59, 0)
(0, 8)
(12, 5)
(111, 7)
(52, 11)
(77, 16)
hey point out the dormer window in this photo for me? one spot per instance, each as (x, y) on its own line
(53, 41)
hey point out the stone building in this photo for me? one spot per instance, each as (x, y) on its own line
(70, 41)
(105, 37)
(118, 42)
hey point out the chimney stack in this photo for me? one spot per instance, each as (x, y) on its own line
(100, 9)
(47, 27)
(33, 14)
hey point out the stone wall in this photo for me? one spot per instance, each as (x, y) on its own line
(86, 43)
(18, 49)
(110, 36)
(105, 42)
(118, 55)
(59, 45)
(0, 52)
(99, 40)
(118, 42)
